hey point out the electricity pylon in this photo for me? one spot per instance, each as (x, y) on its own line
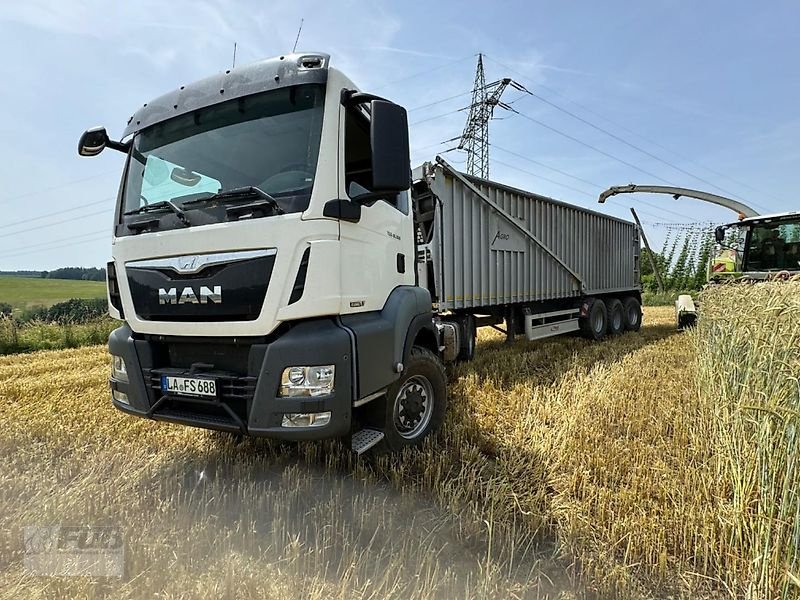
(475, 138)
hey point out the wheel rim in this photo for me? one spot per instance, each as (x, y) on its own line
(598, 322)
(618, 320)
(413, 406)
(633, 317)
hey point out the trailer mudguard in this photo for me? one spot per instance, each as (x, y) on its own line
(384, 338)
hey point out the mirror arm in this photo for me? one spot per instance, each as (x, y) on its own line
(123, 147)
(354, 98)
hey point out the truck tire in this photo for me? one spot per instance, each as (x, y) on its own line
(595, 324)
(466, 346)
(616, 317)
(633, 313)
(415, 403)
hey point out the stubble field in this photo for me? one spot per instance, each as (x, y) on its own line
(565, 468)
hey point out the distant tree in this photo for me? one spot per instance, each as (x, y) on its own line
(646, 266)
(79, 273)
(706, 248)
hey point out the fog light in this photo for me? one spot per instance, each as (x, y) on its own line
(307, 381)
(120, 397)
(306, 419)
(119, 372)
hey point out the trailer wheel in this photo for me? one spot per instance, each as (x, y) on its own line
(466, 348)
(633, 313)
(616, 317)
(415, 403)
(595, 324)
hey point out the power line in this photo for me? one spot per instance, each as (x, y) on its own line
(434, 103)
(591, 147)
(543, 178)
(536, 162)
(623, 127)
(77, 218)
(661, 146)
(52, 214)
(428, 146)
(631, 145)
(586, 181)
(104, 236)
(566, 186)
(567, 174)
(64, 239)
(452, 112)
(55, 187)
(424, 72)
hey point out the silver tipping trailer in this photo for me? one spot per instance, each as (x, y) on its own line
(545, 267)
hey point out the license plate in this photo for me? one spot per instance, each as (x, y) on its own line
(189, 386)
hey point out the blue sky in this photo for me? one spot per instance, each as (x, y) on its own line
(711, 88)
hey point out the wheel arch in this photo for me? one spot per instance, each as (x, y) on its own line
(384, 338)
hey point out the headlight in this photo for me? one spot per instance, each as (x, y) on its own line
(307, 381)
(118, 370)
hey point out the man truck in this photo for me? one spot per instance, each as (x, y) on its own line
(280, 271)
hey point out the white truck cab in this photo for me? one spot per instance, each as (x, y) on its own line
(263, 232)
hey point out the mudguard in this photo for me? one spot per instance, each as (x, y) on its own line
(384, 338)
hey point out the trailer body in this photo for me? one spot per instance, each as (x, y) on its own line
(497, 245)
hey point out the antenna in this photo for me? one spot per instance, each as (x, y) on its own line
(233, 66)
(475, 138)
(298, 36)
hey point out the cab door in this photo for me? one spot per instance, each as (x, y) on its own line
(377, 251)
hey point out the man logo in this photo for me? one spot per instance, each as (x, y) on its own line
(188, 263)
(188, 296)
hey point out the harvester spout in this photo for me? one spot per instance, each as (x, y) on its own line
(742, 209)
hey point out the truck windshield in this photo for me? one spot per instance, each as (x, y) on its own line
(774, 246)
(268, 140)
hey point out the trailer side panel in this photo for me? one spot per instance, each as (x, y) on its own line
(496, 245)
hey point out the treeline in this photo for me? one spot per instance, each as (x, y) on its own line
(79, 273)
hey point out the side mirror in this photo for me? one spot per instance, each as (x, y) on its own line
(93, 141)
(391, 167)
(719, 234)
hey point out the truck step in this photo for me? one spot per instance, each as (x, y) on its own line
(363, 440)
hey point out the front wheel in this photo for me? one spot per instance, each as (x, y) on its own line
(415, 403)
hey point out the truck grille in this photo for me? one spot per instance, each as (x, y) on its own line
(227, 286)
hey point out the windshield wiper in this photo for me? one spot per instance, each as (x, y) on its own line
(243, 193)
(168, 204)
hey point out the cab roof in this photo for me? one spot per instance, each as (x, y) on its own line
(261, 76)
(784, 216)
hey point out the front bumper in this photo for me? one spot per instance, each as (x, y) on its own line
(248, 377)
